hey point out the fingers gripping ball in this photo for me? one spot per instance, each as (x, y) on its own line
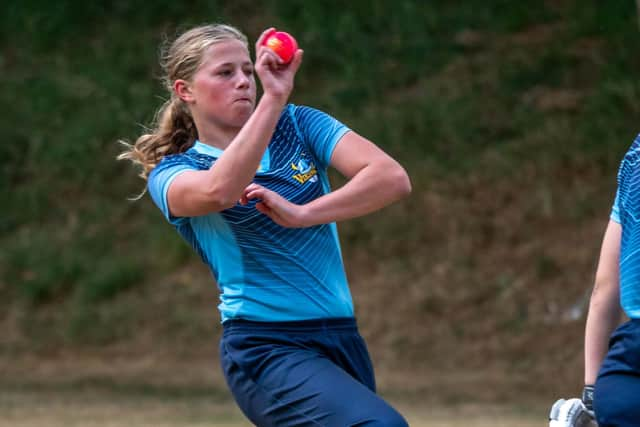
(283, 44)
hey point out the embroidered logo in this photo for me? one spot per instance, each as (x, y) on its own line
(306, 171)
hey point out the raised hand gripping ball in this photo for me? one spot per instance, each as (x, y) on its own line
(283, 44)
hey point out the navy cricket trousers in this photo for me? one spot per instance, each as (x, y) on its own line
(308, 373)
(616, 400)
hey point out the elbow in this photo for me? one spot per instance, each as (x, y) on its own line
(400, 182)
(605, 293)
(226, 204)
(406, 184)
(223, 204)
(218, 199)
(605, 283)
(190, 198)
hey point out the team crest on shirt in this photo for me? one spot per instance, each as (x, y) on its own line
(306, 171)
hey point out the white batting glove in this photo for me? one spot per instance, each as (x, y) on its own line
(571, 413)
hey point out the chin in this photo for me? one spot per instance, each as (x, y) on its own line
(239, 120)
(242, 116)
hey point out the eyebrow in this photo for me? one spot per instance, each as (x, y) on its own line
(233, 63)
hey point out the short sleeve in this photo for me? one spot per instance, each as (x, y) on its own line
(320, 130)
(158, 184)
(615, 210)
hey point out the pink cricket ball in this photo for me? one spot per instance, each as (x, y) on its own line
(283, 44)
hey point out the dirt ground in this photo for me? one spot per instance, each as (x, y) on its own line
(51, 407)
(107, 390)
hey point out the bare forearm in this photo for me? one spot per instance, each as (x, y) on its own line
(372, 188)
(604, 316)
(236, 167)
(604, 307)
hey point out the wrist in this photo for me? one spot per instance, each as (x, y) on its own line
(587, 396)
(305, 218)
(276, 100)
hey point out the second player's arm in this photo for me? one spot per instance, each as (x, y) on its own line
(604, 307)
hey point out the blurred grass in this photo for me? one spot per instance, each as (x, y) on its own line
(482, 101)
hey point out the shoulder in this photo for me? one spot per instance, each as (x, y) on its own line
(634, 149)
(629, 177)
(172, 165)
(312, 121)
(305, 112)
(631, 158)
(190, 159)
(301, 118)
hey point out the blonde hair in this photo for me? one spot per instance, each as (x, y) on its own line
(174, 130)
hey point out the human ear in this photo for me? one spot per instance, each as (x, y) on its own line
(183, 90)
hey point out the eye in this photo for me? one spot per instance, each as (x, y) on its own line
(225, 73)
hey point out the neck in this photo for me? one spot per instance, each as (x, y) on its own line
(215, 134)
(219, 139)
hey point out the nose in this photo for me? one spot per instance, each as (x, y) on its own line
(243, 81)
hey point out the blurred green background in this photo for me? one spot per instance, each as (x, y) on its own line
(511, 118)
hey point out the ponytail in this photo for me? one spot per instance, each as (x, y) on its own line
(174, 132)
